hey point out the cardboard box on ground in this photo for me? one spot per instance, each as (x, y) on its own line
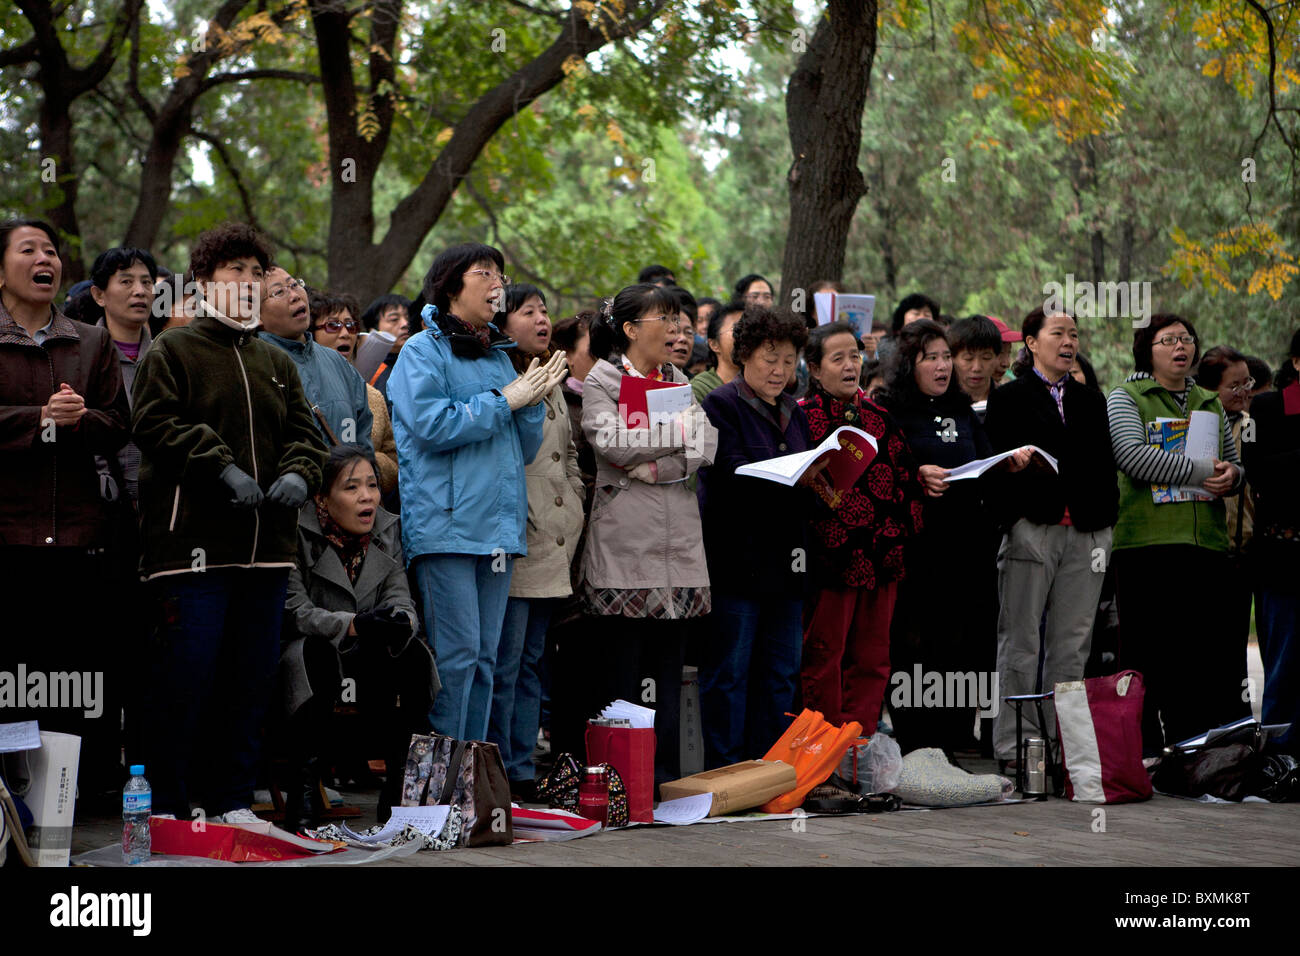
(741, 786)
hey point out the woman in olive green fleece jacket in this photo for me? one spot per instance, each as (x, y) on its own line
(229, 452)
(1170, 557)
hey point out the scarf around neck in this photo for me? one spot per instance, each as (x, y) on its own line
(351, 548)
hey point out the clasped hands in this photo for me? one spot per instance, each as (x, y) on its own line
(535, 382)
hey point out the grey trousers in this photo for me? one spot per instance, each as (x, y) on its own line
(1052, 568)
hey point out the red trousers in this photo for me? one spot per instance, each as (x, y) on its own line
(846, 654)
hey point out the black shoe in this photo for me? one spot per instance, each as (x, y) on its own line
(523, 791)
(303, 806)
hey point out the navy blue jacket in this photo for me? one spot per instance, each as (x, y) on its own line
(755, 530)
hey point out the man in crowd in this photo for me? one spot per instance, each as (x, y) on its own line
(334, 388)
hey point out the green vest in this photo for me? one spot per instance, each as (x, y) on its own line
(1141, 521)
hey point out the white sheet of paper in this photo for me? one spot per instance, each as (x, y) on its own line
(684, 810)
(973, 469)
(425, 819)
(23, 735)
(665, 404)
(788, 469)
(641, 717)
(1203, 431)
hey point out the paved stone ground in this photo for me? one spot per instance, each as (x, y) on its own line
(1162, 832)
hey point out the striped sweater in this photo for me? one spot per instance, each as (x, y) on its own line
(1144, 462)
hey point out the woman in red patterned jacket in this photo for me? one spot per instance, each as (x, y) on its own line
(858, 546)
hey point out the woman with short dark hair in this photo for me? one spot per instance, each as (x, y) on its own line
(945, 619)
(1058, 523)
(466, 424)
(858, 540)
(62, 407)
(540, 581)
(229, 452)
(1183, 642)
(349, 614)
(754, 536)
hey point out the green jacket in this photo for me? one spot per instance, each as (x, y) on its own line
(1142, 522)
(205, 396)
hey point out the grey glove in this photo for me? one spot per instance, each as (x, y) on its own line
(246, 492)
(290, 490)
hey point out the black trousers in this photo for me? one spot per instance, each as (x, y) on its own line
(391, 695)
(1180, 627)
(67, 636)
(600, 659)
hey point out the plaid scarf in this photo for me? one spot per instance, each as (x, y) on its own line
(461, 325)
(350, 547)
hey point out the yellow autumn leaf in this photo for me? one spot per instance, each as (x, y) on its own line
(982, 90)
(443, 136)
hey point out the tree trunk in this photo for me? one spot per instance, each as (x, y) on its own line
(1125, 250)
(61, 194)
(823, 104)
(356, 262)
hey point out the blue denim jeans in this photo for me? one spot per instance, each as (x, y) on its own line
(517, 688)
(1276, 617)
(215, 660)
(747, 683)
(463, 603)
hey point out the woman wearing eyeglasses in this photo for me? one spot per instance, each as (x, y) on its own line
(1170, 549)
(643, 570)
(334, 390)
(334, 325)
(466, 424)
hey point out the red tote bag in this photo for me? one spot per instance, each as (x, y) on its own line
(1099, 724)
(631, 751)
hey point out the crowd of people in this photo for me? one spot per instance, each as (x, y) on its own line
(204, 500)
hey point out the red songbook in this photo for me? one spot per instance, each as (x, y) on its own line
(634, 406)
(846, 466)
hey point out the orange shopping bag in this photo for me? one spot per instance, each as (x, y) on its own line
(814, 748)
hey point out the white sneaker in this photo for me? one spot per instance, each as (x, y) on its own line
(236, 817)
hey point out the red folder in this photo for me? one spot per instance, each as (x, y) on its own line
(236, 844)
(632, 402)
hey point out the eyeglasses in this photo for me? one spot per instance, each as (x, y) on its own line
(287, 288)
(490, 276)
(670, 321)
(1243, 388)
(334, 325)
(758, 297)
(1170, 340)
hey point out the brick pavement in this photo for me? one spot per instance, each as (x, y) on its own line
(1162, 832)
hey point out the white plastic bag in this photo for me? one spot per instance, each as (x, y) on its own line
(873, 766)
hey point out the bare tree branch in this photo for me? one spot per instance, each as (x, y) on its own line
(269, 74)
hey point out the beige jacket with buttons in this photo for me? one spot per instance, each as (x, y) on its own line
(555, 494)
(641, 535)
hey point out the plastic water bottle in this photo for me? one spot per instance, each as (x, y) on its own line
(137, 805)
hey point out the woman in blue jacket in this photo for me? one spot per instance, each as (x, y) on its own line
(465, 425)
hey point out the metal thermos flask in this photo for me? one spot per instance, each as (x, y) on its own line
(1035, 767)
